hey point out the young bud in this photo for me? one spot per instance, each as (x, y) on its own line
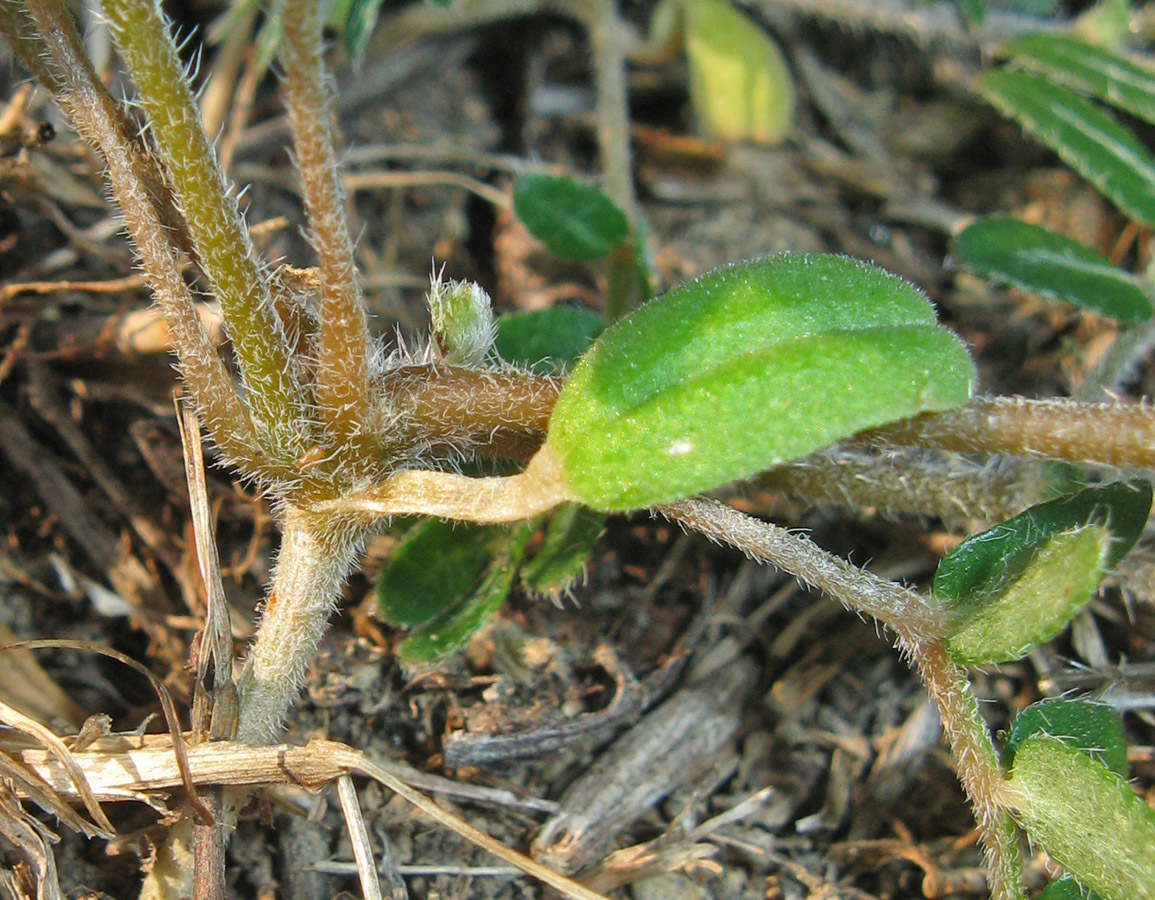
(462, 319)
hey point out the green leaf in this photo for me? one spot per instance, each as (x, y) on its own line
(555, 337)
(1034, 259)
(1066, 888)
(575, 221)
(745, 368)
(569, 540)
(1015, 586)
(435, 565)
(1018, 615)
(1112, 78)
(453, 626)
(1094, 728)
(985, 558)
(1106, 24)
(740, 86)
(1086, 818)
(1088, 140)
(356, 27)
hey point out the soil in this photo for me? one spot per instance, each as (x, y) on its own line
(829, 777)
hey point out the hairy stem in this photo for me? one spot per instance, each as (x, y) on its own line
(977, 764)
(203, 371)
(315, 558)
(908, 482)
(914, 618)
(919, 623)
(223, 247)
(447, 495)
(1114, 434)
(342, 379)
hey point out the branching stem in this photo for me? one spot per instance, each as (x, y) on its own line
(919, 622)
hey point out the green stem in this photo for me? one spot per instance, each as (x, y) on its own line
(223, 247)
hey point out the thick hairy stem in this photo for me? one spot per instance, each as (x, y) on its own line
(222, 243)
(342, 380)
(913, 617)
(1114, 434)
(448, 405)
(446, 495)
(977, 764)
(315, 558)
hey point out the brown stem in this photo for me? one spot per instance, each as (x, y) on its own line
(1115, 434)
(447, 405)
(342, 373)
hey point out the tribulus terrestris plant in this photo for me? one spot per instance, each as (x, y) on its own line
(743, 370)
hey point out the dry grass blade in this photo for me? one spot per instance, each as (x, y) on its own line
(31, 842)
(120, 767)
(167, 707)
(29, 784)
(216, 642)
(359, 837)
(61, 753)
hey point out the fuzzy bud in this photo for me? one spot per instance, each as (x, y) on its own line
(462, 318)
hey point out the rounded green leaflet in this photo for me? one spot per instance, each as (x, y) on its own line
(744, 368)
(1086, 817)
(1059, 579)
(1017, 584)
(1094, 728)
